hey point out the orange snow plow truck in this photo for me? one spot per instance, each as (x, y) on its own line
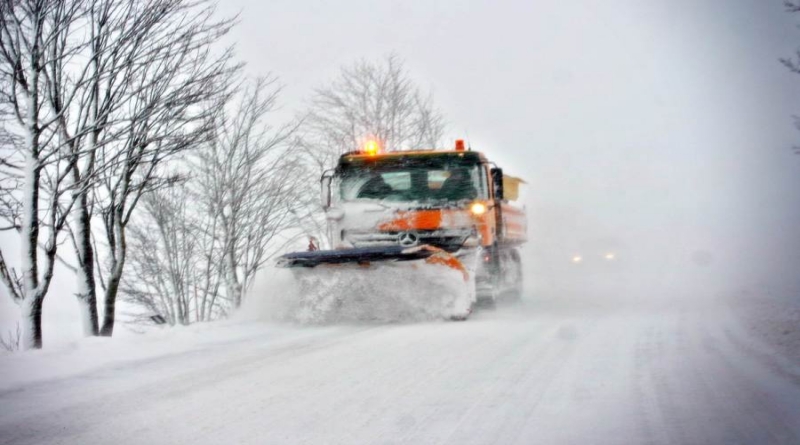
(447, 208)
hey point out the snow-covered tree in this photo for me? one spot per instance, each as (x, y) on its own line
(195, 262)
(250, 181)
(367, 100)
(96, 95)
(173, 270)
(165, 115)
(111, 54)
(370, 100)
(38, 45)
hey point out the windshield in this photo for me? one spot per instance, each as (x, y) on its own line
(406, 182)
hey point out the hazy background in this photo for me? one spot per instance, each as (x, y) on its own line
(660, 129)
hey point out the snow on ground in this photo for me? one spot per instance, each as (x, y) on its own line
(558, 369)
(772, 317)
(67, 360)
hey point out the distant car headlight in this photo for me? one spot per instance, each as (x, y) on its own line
(577, 259)
(610, 256)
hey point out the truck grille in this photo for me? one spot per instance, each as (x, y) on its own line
(450, 240)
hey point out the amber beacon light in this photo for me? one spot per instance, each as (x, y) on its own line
(371, 147)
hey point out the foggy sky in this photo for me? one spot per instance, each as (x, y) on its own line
(664, 124)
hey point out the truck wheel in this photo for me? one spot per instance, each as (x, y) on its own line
(463, 317)
(489, 301)
(516, 276)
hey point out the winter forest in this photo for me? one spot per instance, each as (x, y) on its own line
(137, 156)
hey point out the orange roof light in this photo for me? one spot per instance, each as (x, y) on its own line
(371, 147)
(459, 144)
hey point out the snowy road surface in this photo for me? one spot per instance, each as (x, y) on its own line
(546, 372)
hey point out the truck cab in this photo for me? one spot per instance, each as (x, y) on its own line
(450, 199)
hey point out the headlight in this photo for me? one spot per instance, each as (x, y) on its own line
(478, 208)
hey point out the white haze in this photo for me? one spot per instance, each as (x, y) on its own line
(661, 127)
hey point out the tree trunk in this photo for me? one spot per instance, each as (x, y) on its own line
(232, 280)
(31, 298)
(110, 304)
(120, 248)
(32, 322)
(87, 287)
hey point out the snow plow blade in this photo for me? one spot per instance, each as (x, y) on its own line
(359, 255)
(368, 255)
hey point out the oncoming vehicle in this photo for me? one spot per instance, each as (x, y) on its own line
(597, 255)
(449, 208)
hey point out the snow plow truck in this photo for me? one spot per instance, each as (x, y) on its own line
(431, 213)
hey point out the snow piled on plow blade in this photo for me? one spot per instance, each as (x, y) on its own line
(381, 292)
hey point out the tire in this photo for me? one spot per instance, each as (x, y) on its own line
(488, 301)
(462, 317)
(517, 278)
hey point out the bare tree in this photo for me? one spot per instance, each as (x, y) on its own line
(195, 262)
(368, 100)
(111, 58)
(793, 63)
(249, 183)
(175, 260)
(166, 258)
(36, 44)
(165, 116)
(126, 98)
(101, 92)
(68, 72)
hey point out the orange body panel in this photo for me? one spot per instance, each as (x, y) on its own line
(445, 219)
(515, 227)
(487, 225)
(445, 259)
(414, 220)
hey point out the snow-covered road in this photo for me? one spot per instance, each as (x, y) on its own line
(547, 372)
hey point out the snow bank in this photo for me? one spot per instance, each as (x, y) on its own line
(386, 292)
(124, 349)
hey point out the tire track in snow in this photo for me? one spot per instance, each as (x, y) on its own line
(521, 375)
(552, 375)
(701, 396)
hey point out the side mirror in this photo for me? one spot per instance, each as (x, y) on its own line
(325, 189)
(497, 182)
